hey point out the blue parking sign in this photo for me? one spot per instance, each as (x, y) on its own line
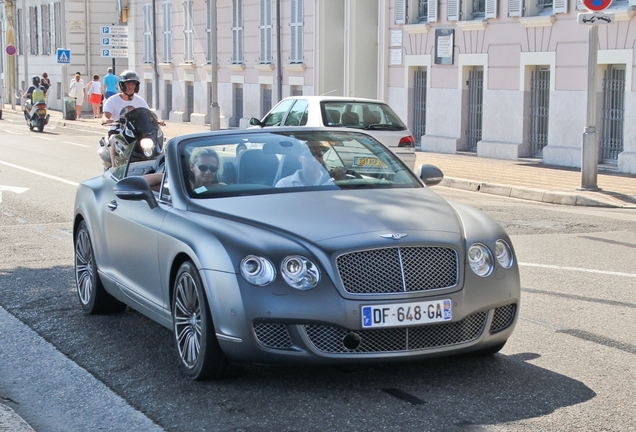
(64, 56)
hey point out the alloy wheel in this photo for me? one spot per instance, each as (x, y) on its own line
(187, 320)
(84, 266)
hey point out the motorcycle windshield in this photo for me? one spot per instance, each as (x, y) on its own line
(142, 121)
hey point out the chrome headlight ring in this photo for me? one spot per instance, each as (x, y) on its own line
(504, 255)
(257, 270)
(299, 272)
(480, 259)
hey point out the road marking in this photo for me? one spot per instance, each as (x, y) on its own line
(75, 144)
(49, 176)
(47, 138)
(14, 189)
(579, 269)
(11, 132)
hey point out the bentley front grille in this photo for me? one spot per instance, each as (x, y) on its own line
(502, 318)
(332, 340)
(273, 335)
(398, 269)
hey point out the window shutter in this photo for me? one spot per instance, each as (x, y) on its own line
(432, 11)
(266, 31)
(560, 6)
(296, 24)
(491, 9)
(453, 10)
(148, 33)
(400, 11)
(514, 8)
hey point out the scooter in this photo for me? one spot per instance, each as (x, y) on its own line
(138, 128)
(36, 115)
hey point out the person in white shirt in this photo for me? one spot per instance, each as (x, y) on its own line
(312, 171)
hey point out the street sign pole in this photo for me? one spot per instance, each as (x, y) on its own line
(589, 146)
(589, 149)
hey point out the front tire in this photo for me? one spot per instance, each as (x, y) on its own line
(200, 355)
(92, 295)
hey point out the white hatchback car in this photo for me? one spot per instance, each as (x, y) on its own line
(373, 116)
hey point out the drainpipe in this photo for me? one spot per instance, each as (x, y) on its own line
(279, 65)
(87, 40)
(215, 110)
(24, 48)
(155, 100)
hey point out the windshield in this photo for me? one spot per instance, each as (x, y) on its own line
(361, 115)
(285, 162)
(141, 121)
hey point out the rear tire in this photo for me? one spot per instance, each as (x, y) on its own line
(92, 295)
(200, 355)
(41, 125)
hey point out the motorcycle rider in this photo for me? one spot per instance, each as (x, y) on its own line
(121, 103)
(34, 94)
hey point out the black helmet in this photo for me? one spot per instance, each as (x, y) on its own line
(127, 76)
(35, 80)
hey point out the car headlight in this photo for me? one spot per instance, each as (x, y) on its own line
(503, 252)
(480, 259)
(257, 270)
(299, 272)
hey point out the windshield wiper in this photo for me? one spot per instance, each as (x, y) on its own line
(384, 127)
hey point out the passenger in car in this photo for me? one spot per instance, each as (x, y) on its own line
(312, 171)
(206, 170)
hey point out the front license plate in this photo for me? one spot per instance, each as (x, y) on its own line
(359, 161)
(406, 314)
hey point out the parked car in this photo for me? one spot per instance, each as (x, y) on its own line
(373, 116)
(367, 264)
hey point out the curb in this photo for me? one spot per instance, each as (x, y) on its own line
(529, 194)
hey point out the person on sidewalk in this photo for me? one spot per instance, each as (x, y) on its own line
(73, 79)
(110, 84)
(77, 92)
(94, 90)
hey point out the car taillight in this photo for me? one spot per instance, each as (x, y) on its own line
(407, 141)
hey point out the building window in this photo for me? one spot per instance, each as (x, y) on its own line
(237, 106)
(472, 9)
(18, 31)
(148, 33)
(296, 90)
(57, 17)
(415, 11)
(265, 28)
(536, 7)
(167, 32)
(188, 32)
(266, 100)
(237, 31)
(46, 29)
(34, 33)
(148, 92)
(296, 24)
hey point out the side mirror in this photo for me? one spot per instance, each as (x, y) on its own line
(430, 174)
(135, 189)
(256, 122)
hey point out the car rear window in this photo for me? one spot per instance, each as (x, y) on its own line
(360, 115)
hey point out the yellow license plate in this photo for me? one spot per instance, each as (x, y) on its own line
(367, 161)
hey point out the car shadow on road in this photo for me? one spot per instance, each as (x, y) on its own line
(135, 357)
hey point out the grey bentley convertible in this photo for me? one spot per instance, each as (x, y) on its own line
(293, 245)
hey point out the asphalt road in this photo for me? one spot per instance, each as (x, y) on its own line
(569, 366)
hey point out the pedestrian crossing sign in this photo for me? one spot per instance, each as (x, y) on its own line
(63, 56)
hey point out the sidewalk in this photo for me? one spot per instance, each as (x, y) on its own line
(527, 179)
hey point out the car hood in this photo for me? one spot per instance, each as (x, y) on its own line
(322, 215)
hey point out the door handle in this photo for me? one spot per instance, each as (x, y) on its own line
(112, 205)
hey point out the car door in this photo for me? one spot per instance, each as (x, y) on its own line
(132, 231)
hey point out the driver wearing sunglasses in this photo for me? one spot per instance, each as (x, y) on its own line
(207, 170)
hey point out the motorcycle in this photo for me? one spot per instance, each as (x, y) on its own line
(36, 115)
(138, 128)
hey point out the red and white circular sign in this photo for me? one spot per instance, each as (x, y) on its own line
(597, 5)
(11, 49)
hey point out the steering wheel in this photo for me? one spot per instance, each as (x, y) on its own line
(351, 173)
